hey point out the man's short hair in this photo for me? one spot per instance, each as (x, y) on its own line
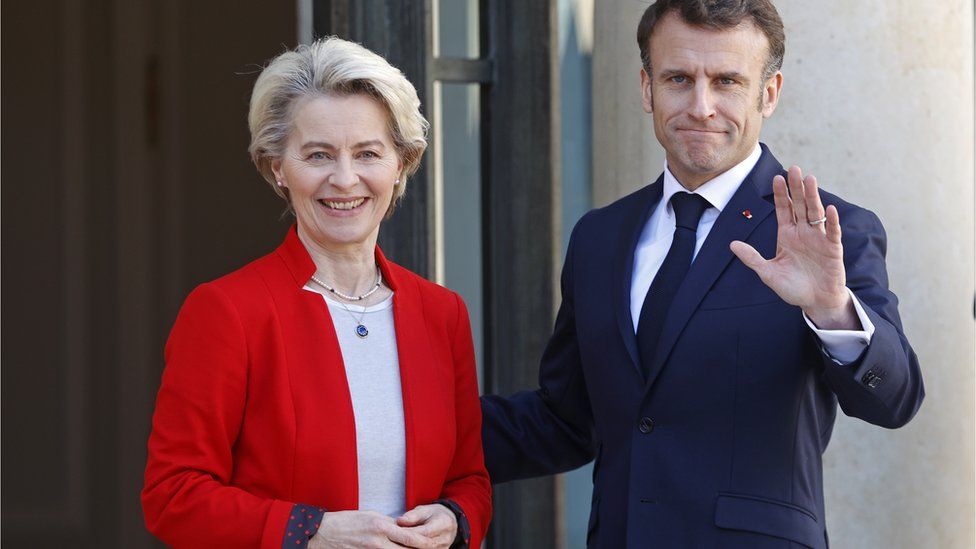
(719, 15)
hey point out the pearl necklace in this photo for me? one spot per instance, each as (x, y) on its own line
(379, 279)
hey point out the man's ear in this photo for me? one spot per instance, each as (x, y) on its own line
(770, 96)
(647, 100)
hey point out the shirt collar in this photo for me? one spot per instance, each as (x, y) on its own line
(719, 190)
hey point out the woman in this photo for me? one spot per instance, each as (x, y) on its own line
(322, 396)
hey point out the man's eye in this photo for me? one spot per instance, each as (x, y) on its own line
(679, 79)
(726, 81)
(317, 155)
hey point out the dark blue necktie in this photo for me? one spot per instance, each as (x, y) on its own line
(688, 209)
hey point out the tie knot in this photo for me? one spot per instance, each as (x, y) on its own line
(688, 209)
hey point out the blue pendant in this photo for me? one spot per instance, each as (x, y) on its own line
(361, 331)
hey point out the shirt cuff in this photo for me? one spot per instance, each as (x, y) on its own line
(463, 537)
(845, 346)
(303, 522)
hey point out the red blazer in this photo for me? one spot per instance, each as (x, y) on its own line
(254, 414)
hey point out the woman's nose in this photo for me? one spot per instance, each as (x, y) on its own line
(343, 175)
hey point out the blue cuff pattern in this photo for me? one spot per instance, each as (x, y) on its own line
(463, 537)
(303, 522)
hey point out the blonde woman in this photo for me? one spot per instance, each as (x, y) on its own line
(322, 396)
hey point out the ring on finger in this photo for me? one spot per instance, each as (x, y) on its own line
(816, 222)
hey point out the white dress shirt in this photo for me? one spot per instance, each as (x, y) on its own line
(843, 346)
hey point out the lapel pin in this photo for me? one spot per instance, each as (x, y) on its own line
(747, 214)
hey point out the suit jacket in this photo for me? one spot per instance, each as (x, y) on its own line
(721, 445)
(254, 413)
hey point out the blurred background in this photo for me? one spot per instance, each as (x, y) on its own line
(128, 183)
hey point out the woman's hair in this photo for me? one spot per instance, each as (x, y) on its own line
(332, 67)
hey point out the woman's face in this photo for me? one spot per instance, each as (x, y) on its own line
(339, 167)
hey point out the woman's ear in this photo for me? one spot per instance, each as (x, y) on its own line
(276, 170)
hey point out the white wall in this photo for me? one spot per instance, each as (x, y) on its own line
(878, 103)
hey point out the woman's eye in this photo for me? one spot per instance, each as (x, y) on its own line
(368, 155)
(317, 155)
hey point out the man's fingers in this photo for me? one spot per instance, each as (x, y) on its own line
(795, 181)
(784, 210)
(748, 255)
(815, 209)
(833, 224)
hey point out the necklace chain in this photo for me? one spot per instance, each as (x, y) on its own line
(376, 286)
(361, 329)
(359, 321)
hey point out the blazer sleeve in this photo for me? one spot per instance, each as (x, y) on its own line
(884, 386)
(187, 498)
(548, 430)
(467, 481)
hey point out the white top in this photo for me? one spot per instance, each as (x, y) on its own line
(373, 374)
(843, 346)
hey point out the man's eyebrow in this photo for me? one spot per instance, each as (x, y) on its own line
(668, 73)
(733, 75)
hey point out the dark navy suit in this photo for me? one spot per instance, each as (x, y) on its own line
(721, 445)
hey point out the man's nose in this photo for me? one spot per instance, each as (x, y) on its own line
(703, 102)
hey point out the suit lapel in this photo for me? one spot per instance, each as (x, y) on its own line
(715, 254)
(634, 221)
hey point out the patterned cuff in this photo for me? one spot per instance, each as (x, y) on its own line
(463, 537)
(302, 524)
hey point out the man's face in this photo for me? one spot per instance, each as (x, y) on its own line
(707, 95)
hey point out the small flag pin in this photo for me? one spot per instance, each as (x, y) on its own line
(747, 214)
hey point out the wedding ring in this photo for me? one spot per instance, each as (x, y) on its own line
(816, 222)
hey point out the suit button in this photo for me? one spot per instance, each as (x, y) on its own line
(646, 425)
(871, 379)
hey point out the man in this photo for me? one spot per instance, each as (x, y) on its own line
(703, 378)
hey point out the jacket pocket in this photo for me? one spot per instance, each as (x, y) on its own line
(770, 517)
(739, 296)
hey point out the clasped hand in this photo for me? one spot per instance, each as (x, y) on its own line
(424, 527)
(808, 270)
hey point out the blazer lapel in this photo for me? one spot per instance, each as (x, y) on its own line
(320, 392)
(624, 264)
(715, 254)
(418, 376)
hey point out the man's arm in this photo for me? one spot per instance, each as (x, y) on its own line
(548, 430)
(816, 268)
(884, 385)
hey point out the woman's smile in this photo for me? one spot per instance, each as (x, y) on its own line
(344, 207)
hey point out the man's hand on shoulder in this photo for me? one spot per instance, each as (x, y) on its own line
(808, 270)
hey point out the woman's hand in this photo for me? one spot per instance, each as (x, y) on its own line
(357, 529)
(434, 522)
